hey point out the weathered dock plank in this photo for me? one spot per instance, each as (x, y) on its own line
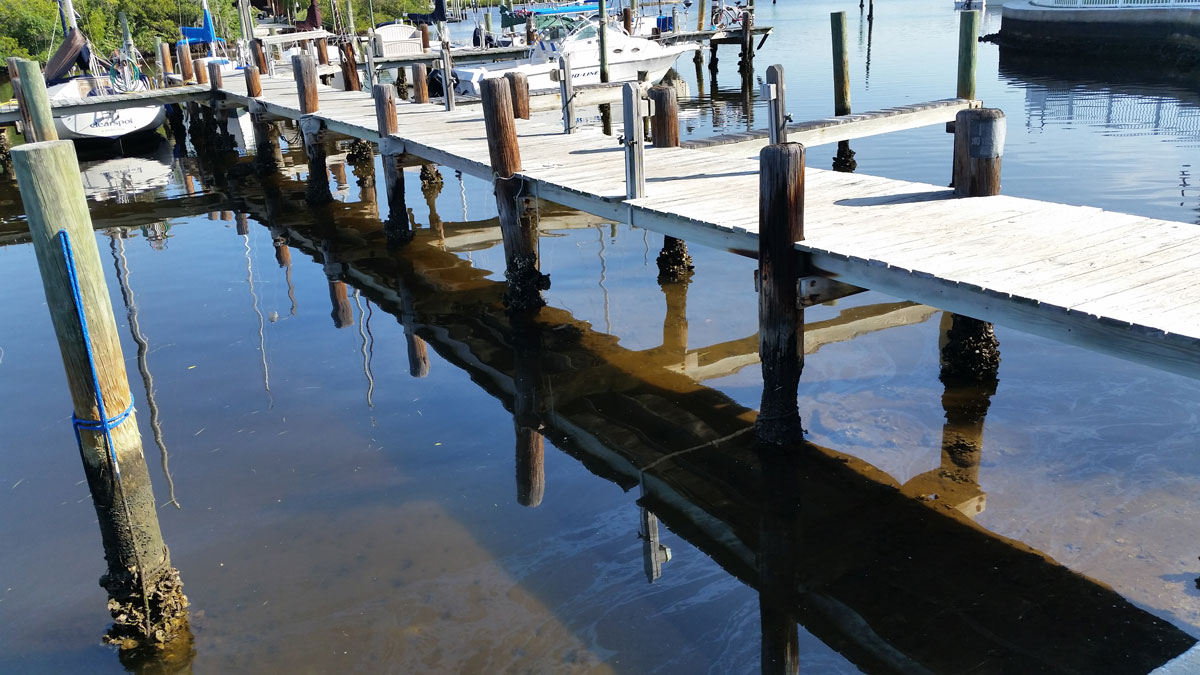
(1037, 266)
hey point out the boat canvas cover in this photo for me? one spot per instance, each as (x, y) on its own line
(438, 14)
(312, 20)
(205, 34)
(74, 51)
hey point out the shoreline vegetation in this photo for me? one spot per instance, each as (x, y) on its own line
(30, 29)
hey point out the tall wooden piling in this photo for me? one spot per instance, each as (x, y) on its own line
(566, 92)
(747, 21)
(664, 123)
(424, 29)
(305, 73)
(841, 64)
(34, 103)
(603, 39)
(420, 83)
(447, 76)
(183, 53)
(525, 280)
(518, 84)
(322, 51)
(777, 104)
(635, 164)
(259, 53)
(350, 68)
(978, 151)
(253, 81)
(627, 20)
(781, 322)
(968, 52)
(164, 57)
(146, 597)
(216, 81)
(396, 228)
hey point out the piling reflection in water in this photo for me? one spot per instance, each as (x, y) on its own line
(828, 540)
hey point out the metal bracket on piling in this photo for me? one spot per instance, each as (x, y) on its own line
(391, 146)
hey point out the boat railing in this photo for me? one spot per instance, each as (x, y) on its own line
(1116, 4)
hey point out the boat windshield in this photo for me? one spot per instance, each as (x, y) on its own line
(585, 32)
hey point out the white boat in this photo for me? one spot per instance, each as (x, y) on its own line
(103, 124)
(101, 78)
(627, 56)
(970, 4)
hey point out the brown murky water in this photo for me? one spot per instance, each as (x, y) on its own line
(351, 433)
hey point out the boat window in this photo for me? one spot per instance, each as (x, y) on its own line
(618, 51)
(588, 31)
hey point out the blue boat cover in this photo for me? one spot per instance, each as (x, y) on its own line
(203, 35)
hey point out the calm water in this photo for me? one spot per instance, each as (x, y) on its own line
(337, 513)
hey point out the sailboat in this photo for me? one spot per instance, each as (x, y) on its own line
(627, 56)
(100, 78)
(206, 35)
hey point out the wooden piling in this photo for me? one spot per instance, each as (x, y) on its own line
(164, 56)
(253, 82)
(201, 70)
(627, 20)
(781, 322)
(603, 39)
(777, 105)
(664, 123)
(424, 28)
(146, 598)
(968, 52)
(447, 76)
(841, 64)
(528, 387)
(36, 116)
(214, 77)
(525, 280)
(322, 51)
(396, 229)
(978, 151)
(350, 68)
(184, 55)
(566, 92)
(747, 21)
(420, 83)
(518, 84)
(259, 53)
(635, 172)
(341, 313)
(530, 31)
(305, 72)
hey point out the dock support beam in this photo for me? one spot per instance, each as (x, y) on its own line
(525, 280)
(396, 229)
(145, 593)
(781, 321)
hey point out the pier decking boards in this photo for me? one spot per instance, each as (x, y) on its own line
(135, 99)
(1116, 283)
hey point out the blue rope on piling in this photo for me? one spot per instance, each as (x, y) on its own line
(105, 423)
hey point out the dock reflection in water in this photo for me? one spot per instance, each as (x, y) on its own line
(385, 573)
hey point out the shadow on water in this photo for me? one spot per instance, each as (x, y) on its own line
(897, 578)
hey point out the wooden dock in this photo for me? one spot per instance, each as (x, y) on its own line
(1111, 282)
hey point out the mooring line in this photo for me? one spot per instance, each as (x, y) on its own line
(105, 423)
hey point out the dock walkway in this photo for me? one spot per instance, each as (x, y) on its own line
(1111, 282)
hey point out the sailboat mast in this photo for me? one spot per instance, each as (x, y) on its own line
(67, 11)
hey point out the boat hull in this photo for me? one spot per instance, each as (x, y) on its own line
(110, 124)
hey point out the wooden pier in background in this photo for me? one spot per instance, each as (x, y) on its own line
(1077, 274)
